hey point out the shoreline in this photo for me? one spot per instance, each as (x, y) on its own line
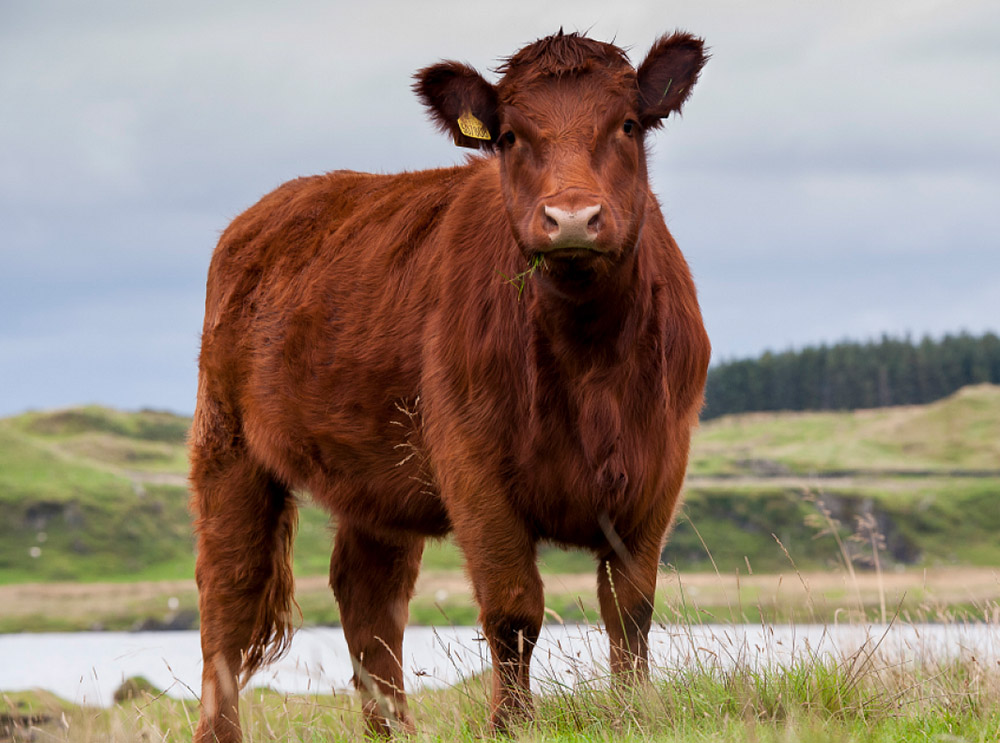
(442, 598)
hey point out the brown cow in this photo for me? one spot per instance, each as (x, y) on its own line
(510, 350)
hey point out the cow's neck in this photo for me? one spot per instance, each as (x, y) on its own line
(588, 374)
(591, 321)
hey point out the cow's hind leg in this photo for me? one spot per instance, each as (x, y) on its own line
(372, 577)
(245, 525)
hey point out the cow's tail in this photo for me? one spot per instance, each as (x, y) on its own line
(277, 612)
(245, 521)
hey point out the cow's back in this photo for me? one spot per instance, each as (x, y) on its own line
(316, 306)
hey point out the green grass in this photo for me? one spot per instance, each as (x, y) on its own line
(859, 698)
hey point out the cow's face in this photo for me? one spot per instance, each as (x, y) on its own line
(568, 120)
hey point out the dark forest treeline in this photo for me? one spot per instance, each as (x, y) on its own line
(853, 375)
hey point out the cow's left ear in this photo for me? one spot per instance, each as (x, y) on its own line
(667, 75)
(460, 102)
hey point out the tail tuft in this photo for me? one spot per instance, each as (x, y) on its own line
(277, 611)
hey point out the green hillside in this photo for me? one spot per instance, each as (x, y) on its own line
(922, 482)
(961, 432)
(91, 494)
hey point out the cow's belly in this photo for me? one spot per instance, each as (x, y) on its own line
(357, 454)
(383, 499)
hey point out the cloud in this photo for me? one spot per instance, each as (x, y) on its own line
(836, 170)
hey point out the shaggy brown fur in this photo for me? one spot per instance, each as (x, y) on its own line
(362, 342)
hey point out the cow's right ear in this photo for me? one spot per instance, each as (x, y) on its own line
(461, 103)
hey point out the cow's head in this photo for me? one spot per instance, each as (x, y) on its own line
(568, 120)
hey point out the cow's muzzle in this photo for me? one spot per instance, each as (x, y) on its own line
(571, 230)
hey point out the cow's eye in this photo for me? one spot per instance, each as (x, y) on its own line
(509, 138)
(629, 127)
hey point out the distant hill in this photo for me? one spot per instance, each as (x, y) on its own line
(91, 494)
(958, 433)
(850, 375)
(923, 481)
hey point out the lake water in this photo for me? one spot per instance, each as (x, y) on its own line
(87, 667)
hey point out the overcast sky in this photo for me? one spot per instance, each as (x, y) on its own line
(836, 173)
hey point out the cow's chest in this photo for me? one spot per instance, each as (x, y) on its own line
(591, 458)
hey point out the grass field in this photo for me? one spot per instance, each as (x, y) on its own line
(860, 697)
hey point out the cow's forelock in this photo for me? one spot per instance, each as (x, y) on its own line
(558, 56)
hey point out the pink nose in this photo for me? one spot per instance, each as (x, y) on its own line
(576, 228)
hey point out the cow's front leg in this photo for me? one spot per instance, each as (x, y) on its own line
(626, 584)
(500, 556)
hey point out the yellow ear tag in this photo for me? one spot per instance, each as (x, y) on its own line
(470, 126)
